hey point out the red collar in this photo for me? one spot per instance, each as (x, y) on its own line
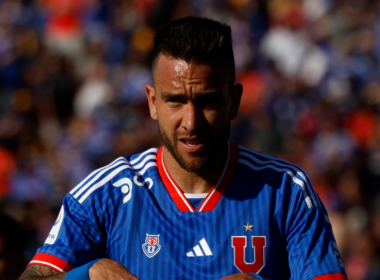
(216, 192)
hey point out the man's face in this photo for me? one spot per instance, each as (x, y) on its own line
(194, 105)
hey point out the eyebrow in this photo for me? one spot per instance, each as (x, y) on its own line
(208, 93)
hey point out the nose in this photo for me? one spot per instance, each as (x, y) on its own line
(192, 119)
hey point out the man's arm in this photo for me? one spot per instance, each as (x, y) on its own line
(101, 270)
(37, 272)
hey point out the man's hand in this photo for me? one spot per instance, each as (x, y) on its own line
(107, 269)
(240, 276)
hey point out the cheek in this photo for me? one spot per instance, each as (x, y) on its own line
(217, 118)
(169, 119)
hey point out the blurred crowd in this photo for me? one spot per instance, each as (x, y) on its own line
(72, 99)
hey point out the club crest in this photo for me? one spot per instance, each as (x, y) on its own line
(152, 245)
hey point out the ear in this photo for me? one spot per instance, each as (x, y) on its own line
(237, 91)
(151, 95)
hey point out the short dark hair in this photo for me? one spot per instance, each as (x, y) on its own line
(195, 39)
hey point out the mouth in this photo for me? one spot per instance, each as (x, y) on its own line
(192, 144)
(189, 144)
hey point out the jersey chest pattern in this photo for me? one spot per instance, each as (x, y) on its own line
(217, 242)
(260, 217)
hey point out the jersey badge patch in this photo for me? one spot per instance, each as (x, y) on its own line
(239, 243)
(52, 237)
(152, 246)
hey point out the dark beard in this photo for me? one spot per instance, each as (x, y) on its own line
(203, 159)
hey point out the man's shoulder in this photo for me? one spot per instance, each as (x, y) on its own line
(259, 162)
(121, 174)
(278, 173)
(141, 162)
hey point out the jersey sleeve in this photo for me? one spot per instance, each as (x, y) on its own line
(76, 238)
(313, 252)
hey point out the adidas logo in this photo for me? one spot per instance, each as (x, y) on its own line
(198, 251)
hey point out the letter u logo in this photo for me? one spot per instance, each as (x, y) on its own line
(151, 249)
(239, 243)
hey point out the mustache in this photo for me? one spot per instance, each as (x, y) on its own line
(193, 135)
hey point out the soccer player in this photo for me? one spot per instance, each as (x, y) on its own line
(200, 207)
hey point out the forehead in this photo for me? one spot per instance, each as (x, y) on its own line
(171, 72)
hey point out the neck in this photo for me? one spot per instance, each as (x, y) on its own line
(196, 182)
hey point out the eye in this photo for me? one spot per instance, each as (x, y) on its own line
(174, 101)
(210, 101)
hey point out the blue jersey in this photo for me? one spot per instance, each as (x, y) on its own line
(262, 216)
